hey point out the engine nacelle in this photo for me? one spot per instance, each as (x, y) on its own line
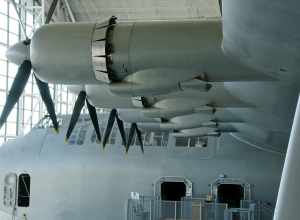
(110, 52)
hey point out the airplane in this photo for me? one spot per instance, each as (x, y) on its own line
(228, 76)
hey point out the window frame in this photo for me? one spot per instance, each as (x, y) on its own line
(22, 199)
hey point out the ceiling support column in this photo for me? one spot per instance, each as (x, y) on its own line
(288, 200)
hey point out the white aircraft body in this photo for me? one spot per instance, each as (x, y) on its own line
(80, 180)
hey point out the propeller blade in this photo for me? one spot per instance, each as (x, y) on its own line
(130, 136)
(94, 118)
(51, 11)
(139, 136)
(46, 97)
(16, 89)
(76, 113)
(121, 129)
(110, 123)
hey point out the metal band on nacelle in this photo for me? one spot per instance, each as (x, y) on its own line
(102, 49)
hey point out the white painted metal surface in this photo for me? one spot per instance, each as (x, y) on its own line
(289, 193)
(75, 181)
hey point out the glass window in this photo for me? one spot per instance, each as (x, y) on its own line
(13, 115)
(24, 190)
(35, 117)
(35, 89)
(3, 21)
(148, 138)
(28, 88)
(12, 70)
(13, 39)
(2, 52)
(2, 131)
(27, 102)
(3, 36)
(28, 30)
(165, 139)
(13, 26)
(29, 19)
(10, 82)
(27, 116)
(64, 97)
(181, 142)
(81, 134)
(2, 97)
(70, 109)
(35, 103)
(3, 6)
(11, 129)
(3, 67)
(2, 86)
(12, 11)
(26, 128)
(63, 109)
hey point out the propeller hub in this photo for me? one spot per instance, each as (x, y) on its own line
(18, 52)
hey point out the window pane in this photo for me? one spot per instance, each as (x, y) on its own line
(193, 141)
(24, 190)
(2, 98)
(3, 21)
(2, 85)
(63, 109)
(27, 103)
(11, 129)
(64, 97)
(13, 39)
(35, 103)
(3, 6)
(27, 128)
(35, 89)
(27, 116)
(3, 68)
(35, 118)
(2, 130)
(181, 142)
(13, 115)
(29, 19)
(28, 30)
(10, 81)
(13, 26)
(2, 52)
(28, 88)
(70, 109)
(12, 70)
(12, 12)
(3, 36)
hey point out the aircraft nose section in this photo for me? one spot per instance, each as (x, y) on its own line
(18, 52)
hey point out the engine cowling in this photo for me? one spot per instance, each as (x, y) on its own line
(110, 52)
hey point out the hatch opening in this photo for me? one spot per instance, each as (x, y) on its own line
(231, 194)
(172, 188)
(173, 191)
